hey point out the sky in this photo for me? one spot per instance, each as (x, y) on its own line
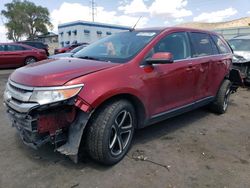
(153, 12)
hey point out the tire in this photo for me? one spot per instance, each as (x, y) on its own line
(110, 132)
(220, 104)
(29, 60)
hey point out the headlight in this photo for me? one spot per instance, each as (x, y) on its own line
(54, 94)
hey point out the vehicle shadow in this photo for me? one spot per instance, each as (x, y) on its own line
(168, 126)
(46, 155)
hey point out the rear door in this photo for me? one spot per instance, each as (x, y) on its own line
(220, 64)
(15, 55)
(203, 49)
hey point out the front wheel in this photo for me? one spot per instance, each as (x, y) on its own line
(110, 132)
(29, 60)
(220, 104)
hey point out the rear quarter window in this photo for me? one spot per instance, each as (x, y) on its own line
(223, 48)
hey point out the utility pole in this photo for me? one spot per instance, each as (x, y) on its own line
(93, 9)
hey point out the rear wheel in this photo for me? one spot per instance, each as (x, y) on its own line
(220, 104)
(29, 60)
(110, 133)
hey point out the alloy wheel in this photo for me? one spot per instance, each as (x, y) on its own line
(121, 132)
(226, 99)
(30, 60)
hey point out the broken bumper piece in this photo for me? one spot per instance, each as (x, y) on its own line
(61, 124)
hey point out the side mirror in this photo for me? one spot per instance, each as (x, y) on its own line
(160, 58)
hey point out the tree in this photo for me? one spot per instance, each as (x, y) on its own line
(24, 18)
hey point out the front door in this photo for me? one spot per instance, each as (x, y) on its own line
(173, 83)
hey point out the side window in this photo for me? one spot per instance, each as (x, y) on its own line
(214, 47)
(175, 43)
(15, 48)
(223, 48)
(201, 44)
(2, 48)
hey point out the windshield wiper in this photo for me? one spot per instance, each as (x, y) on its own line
(89, 57)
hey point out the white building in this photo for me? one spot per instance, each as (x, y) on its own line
(85, 32)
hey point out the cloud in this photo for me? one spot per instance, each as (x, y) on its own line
(134, 7)
(68, 12)
(3, 31)
(248, 12)
(173, 9)
(179, 20)
(166, 23)
(158, 8)
(216, 16)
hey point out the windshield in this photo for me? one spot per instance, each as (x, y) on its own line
(240, 44)
(118, 48)
(77, 49)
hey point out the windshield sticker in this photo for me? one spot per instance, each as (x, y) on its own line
(146, 34)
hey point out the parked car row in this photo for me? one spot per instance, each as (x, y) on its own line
(17, 54)
(37, 44)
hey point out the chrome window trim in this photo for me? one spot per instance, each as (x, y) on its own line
(206, 56)
(192, 58)
(44, 88)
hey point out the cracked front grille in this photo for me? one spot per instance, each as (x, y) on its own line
(18, 92)
(18, 89)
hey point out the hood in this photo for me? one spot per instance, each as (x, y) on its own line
(244, 54)
(237, 59)
(56, 72)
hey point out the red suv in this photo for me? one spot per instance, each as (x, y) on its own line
(16, 55)
(112, 87)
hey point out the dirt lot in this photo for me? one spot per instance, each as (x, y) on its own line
(197, 149)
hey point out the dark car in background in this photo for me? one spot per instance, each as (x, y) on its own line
(68, 54)
(37, 44)
(241, 59)
(16, 55)
(68, 48)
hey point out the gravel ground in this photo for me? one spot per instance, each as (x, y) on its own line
(197, 149)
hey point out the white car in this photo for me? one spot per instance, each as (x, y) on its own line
(241, 60)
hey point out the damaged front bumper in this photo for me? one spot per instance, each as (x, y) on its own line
(61, 123)
(244, 68)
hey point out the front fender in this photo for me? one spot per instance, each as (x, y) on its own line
(112, 93)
